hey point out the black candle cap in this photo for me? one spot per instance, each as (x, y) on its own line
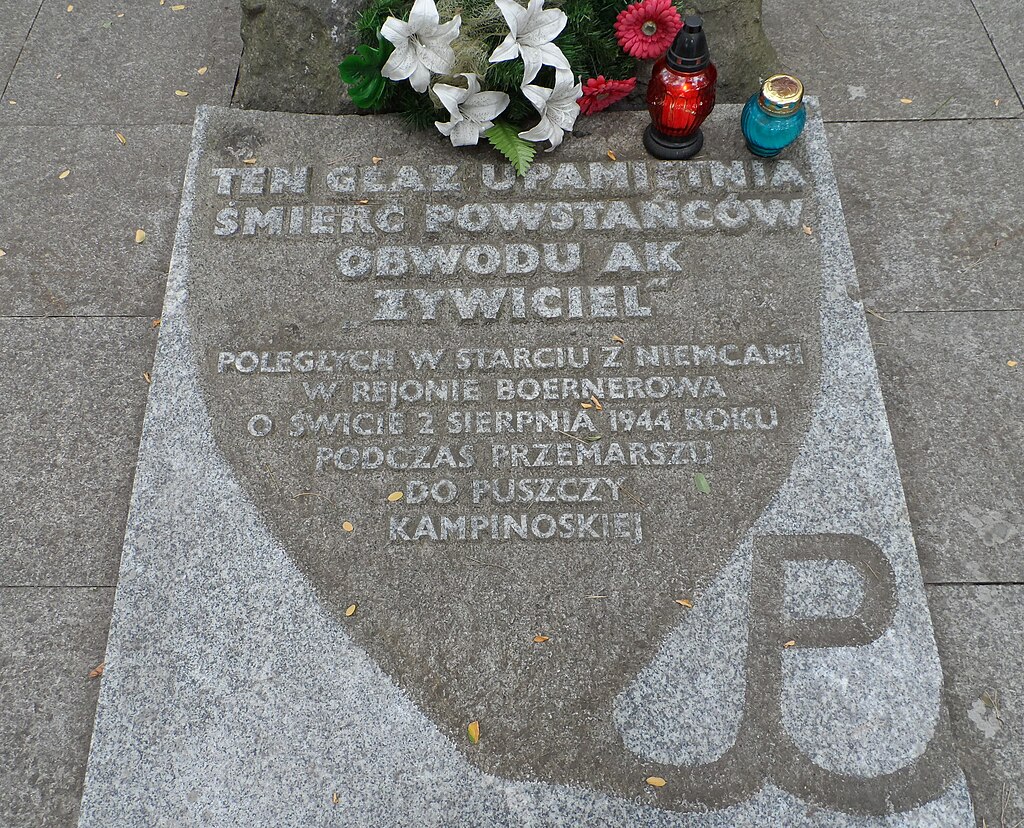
(689, 51)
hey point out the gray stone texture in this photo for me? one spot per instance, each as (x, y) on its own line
(91, 66)
(979, 635)
(227, 575)
(18, 17)
(293, 47)
(1004, 23)
(934, 212)
(71, 243)
(68, 466)
(954, 408)
(862, 58)
(50, 640)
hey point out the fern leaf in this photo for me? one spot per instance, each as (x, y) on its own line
(505, 139)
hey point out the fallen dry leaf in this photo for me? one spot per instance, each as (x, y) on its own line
(586, 405)
(807, 230)
(64, 174)
(178, 7)
(376, 160)
(612, 155)
(685, 602)
(363, 201)
(2, 252)
(473, 731)
(996, 101)
(790, 643)
(335, 798)
(656, 782)
(202, 70)
(12, 103)
(70, 8)
(147, 377)
(97, 671)
(120, 137)
(540, 639)
(120, 14)
(394, 497)
(181, 93)
(348, 527)
(156, 323)
(1011, 362)
(140, 236)
(596, 402)
(906, 100)
(249, 161)
(350, 610)
(618, 339)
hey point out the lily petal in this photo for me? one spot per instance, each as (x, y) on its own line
(506, 50)
(485, 106)
(423, 17)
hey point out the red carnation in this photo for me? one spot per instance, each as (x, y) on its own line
(645, 30)
(599, 93)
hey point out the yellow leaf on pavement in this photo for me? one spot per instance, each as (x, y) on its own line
(540, 639)
(473, 731)
(656, 781)
(181, 93)
(140, 236)
(201, 70)
(685, 602)
(64, 174)
(97, 671)
(347, 526)
(394, 497)
(350, 610)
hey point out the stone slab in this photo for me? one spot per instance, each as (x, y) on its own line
(934, 222)
(70, 243)
(863, 58)
(978, 631)
(50, 640)
(90, 66)
(1005, 25)
(75, 395)
(954, 407)
(18, 17)
(290, 637)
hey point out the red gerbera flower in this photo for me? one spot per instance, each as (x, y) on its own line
(599, 93)
(646, 29)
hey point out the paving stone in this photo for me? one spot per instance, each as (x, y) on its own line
(71, 243)
(18, 17)
(1005, 25)
(346, 467)
(71, 441)
(50, 640)
(954, 408)
(979, 634)
(91, 66)
(935, 218)
(861, 59)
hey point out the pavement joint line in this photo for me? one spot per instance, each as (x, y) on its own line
(21, 51)
(995, 49)
(37, 316)
(58, 586)
(972, 583)
(873, 311)
(1008, 118)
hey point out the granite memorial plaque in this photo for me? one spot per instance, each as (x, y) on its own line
(594, 461)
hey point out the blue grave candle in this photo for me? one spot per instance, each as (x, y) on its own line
(774, 117)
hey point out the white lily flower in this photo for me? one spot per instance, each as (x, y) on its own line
(422, 45)
(530, 32)
(473, 112)
(558, 109)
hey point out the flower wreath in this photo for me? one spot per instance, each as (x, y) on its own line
(496, 66)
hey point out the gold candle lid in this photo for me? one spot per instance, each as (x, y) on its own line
(781, 94)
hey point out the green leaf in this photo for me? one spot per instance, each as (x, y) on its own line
(701, 483)
(361, 73)
(505, 139)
